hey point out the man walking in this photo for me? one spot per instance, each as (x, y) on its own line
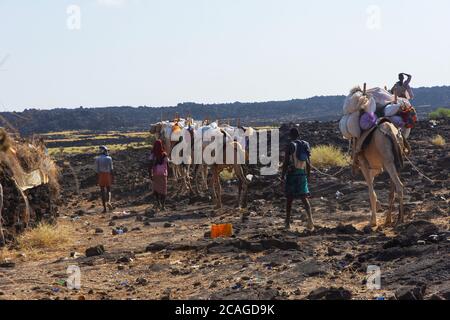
(105, 176)
(295, 175)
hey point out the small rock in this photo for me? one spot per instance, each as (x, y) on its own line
(330, 294)
(410, 293)
(150, 213)
(141, 281)
(98, 230)
(367, 229)
(75, 254)
(332, 252)
(124, 260)
(95, 251)
(167, 225)
(7, 265)
(155, 247)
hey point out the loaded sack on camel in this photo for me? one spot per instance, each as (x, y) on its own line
(364, 110)
(29, 179)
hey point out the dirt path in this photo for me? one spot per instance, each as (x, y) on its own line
(170, 255)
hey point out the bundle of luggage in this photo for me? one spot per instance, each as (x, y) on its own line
(363, 109)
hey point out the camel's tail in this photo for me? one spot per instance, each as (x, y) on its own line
(390, 131)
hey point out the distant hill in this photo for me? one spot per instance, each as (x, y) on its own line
(321, 108)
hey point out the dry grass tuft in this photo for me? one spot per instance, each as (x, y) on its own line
(438, 141)
(44, 236)
(324, 156)
(227, 175)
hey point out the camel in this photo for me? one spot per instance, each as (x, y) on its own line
(238, 169)
(382, 148)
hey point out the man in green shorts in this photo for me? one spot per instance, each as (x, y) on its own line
(295, 175)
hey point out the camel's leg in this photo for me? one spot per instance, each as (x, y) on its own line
(369, 177)
(2, 235)
(391, 205)
(189, 179)
(390, 168)
(214, 194)
(186, 182)
(219, 189)
(195, 178)
(204, 170)
(243, 186)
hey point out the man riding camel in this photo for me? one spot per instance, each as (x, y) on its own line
(295, 175)
(105, 175)
(402, 89)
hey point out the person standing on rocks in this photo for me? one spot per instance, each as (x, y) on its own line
(295, 174)
(158, 170)
(105, 176)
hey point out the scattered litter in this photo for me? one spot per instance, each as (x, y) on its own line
(221, 230)
(61, 282)
(237, 286)
(339, 195)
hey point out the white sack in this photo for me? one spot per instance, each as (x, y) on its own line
(392, 109)
(343, 127)
(353, 124)
(352, 103)
(381, 96)
(371, 106)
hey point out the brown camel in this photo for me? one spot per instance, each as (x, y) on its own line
(382, 149)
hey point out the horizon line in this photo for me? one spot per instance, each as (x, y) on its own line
(196, 103)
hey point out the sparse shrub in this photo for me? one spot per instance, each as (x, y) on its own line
(441, 113)
(438, 141)
(44, 236)
(326, 156)
(226, 175)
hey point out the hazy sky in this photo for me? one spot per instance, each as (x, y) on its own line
(162, 52)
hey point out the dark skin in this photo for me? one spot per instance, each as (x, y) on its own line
(160, 198)
(106, 195)
(290, 199)
(401, 78)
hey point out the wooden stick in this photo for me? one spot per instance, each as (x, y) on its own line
(365, 88)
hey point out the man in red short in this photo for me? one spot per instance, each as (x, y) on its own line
(105, 176)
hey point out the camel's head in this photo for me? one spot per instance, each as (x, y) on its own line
(156, 128)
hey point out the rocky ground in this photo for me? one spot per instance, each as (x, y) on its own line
(135, 253)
